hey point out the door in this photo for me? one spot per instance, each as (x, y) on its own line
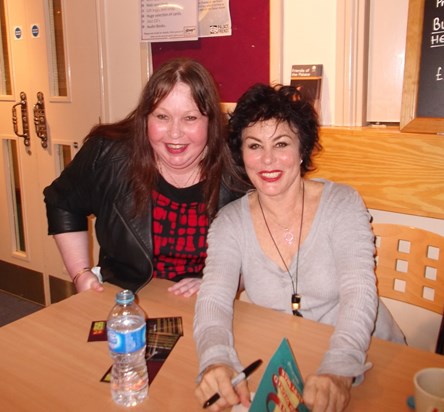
(49, 99)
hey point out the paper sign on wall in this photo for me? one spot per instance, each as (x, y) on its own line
(214, 18)
(181, 20)
(168, 21)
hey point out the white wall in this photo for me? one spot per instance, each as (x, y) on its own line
(123, 66)
(310, 38)
(388, 28)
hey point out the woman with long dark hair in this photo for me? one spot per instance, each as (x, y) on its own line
(153, 181)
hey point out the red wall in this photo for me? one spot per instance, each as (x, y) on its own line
(236, 61)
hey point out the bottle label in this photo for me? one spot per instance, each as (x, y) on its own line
(127, 342)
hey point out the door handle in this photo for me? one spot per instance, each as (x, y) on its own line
(24, 112)
(40, 120)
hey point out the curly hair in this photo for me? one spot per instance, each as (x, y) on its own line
(262, 102)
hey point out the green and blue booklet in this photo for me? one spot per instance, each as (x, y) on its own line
(281, 386)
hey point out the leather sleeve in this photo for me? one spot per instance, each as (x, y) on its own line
(70, 198)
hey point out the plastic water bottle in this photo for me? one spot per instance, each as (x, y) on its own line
(126, 330)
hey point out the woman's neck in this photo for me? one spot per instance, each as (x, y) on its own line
(282, 208)
(180, 178)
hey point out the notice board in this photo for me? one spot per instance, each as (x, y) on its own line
(237, 61)
(422, 108)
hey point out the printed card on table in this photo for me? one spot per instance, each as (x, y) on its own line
(162, 335)
(281, 386)
(97, 332)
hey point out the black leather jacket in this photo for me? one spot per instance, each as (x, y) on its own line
(95, 183)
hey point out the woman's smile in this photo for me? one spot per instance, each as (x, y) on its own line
(270, 176)
(176, 148)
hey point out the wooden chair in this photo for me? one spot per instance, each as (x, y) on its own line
(410, 266)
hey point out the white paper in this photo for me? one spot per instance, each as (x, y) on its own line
(214, 18)
(168, 20)
(240, 407)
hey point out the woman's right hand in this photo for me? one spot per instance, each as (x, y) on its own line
(217, 379)
(88, 281)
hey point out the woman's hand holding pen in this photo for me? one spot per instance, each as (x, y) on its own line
(217, 379)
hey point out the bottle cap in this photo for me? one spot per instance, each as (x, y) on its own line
(124, 297)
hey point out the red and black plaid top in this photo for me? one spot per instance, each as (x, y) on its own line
(180, 227)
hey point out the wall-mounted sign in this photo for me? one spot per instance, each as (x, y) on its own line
(214, 18)
(431, 73)
(168, 21)
(422, 108)
(184, 19)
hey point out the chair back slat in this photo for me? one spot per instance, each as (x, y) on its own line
(410, 265)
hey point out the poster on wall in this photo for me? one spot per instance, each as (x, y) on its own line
(307, 78)
(168, 21)
(214, 18)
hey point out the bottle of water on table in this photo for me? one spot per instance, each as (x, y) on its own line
(126, 330)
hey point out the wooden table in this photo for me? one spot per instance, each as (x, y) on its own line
(46, 363)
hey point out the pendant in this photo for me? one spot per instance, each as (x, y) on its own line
(288, 236)
(296, 304)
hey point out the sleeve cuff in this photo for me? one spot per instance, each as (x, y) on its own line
(219, 354)
(350, 364)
